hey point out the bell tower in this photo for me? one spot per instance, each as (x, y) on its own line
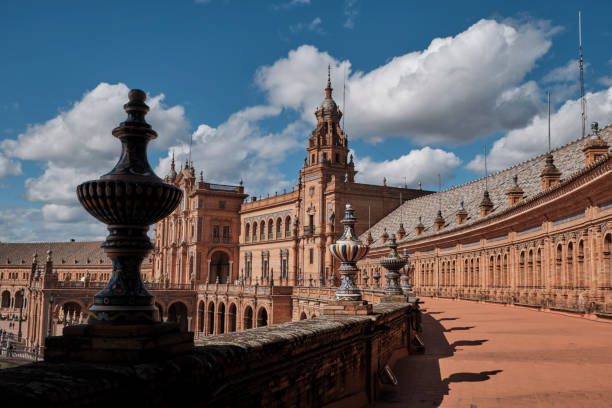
(327, 144)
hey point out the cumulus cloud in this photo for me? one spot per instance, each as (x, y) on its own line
(531, 140)
(419, 165)
(9, 167)
(456, 90)
(239, 148)
(76, 146)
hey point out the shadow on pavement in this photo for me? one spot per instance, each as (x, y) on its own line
(420, 383)
(447, 318)
(460, 328)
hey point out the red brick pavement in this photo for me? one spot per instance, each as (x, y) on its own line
(487, 355)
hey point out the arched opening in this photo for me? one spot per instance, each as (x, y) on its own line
(287, 225)
(569, 261)
(177, 312)
(521, 277)
(255, 231)
(72, 312)
(248, 318)
(506, 281)
(466, 278)
(262, 317)
(247, 232)
(491, 282)
(270, 229)
(201, 311)
(558, 270)
(279, 228)
(210, 319)
(160, 312)
(6, 299)
(219, 267)
(604, 281)
(498, 272)
(538, 275)
(581, 274)
(530, 269)
(19, 299)
(262, 230)
(303, 316)
(231, 318)
(221, 326)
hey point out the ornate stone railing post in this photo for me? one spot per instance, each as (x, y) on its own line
(348, 249)
(128, 199)
(393, 263)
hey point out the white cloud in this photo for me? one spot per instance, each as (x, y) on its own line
(419, 165)
(239, 148)
(9, 167)
(315, 26)
(291, 4)
(76, 146)
(456, 90)
(564, 73)
(350, 13)
(531, 140)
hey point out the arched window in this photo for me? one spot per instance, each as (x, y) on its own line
(604, 281)
(337, 157)
(491, 282)
(287, 226)
(312, 161)
(247, 232)
(580, 261)
(521, 275)
(270, 229)
(262, 317)
(506, 281)
(210, 318)
(262, 230)
(559, 267)
(221, 325)
(255, 231)
(231, 318)
(248, 318)
(279, 228)
(569, 264)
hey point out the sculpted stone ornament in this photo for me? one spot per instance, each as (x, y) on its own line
(393, 263)
(348, 249)
(128, 199)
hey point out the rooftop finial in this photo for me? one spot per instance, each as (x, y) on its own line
(201, 176)
(328, 90)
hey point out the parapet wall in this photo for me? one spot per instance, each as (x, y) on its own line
(328, 361)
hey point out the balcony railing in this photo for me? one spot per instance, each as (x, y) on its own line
(308, 230)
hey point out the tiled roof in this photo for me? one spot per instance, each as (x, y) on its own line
(84, 253)
(569, 159)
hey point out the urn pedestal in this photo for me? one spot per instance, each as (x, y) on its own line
(348, 249)
(122, 325)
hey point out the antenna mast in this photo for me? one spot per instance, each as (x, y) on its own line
(190, 143)
(344, 100)
(549, 122)
(486, 172)
(580, 64)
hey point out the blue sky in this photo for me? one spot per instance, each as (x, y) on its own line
(427, 87)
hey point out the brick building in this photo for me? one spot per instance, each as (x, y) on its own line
(537, 233)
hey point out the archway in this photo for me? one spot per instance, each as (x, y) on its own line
(177, 312)
(219, 267)
(6, 299)
(262, 317)
(221, 319)
(160, 311)
(72, 311)
(211, 319)
(248, 318)
(19, 299)
(231, 324)
(303, 316)
(201, 317)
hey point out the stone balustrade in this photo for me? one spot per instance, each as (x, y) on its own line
(328, 360)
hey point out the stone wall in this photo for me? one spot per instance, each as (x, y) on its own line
(329, 361)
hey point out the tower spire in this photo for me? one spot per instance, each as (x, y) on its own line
(329, 89)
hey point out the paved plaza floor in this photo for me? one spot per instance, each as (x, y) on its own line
(487, 355)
